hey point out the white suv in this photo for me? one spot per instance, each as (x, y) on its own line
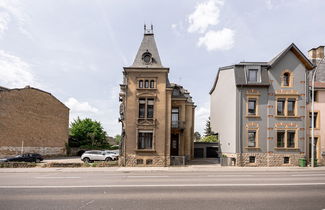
(96, 155)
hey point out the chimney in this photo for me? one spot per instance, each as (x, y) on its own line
(316, 53)
(320, 52)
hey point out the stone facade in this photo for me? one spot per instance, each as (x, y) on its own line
(157, 116)
(32, 120)
(268, 159)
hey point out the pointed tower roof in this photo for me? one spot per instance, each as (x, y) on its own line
(147, 55)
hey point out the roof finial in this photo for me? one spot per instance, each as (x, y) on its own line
(148, 31)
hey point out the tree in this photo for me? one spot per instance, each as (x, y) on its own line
(88, 132)
(117, 139)
(207, 129)
(210, 138)
(197, 136)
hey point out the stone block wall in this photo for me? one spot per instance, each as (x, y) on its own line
(148, 161)
(268, 159)
(45, 151)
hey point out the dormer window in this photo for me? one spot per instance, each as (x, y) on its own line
(147, 57)
(252, 75)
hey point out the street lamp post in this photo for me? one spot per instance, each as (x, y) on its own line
(313, 114)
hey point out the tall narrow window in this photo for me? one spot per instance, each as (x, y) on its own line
(142, 107)
(251, 138)
(140, 83)
(252, 75)
(146, 84)
(280, 106)
(175, 117)
(152, 84)
(315, 119)
(291, 139)
(252, 106)
(145, 140)
(150, 109)
(280, 138)
(286, 79)
(291, 106)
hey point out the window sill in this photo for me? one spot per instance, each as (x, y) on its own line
(280, 116)
(145, 150)
(253, 116)
(285, 148)
(146, 88)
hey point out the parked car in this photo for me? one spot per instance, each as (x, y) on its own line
(27, 157)
(97, 155)
(114, 152)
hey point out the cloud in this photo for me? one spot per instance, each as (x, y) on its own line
(14, 72)
(269, 4)
(218, 40)
(79, 107)
(4, 21)
(205, 14)
(12, 11)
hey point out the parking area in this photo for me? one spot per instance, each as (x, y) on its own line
(73, 159)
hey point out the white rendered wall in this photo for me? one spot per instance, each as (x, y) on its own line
(223, 110)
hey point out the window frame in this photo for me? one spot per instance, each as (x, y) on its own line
(256, 98)
(146, 104)
(147, 83)
(291, 78)
(286, 140)
(256, 70)
(151, 131)
(256, 130)
(286, 102)
(317, 125)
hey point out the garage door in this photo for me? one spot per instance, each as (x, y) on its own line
(212, 152)
(198, 152)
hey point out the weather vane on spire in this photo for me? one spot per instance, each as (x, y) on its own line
(148, 30)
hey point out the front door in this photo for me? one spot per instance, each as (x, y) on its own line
(174, 145)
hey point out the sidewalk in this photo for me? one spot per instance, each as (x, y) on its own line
(192, 168)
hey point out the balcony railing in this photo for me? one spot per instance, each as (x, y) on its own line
(178, 124)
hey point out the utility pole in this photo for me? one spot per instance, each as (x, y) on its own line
(313, 114)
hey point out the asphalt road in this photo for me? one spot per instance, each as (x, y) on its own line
(292, 189)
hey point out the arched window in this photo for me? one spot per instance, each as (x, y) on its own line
(140, 83)
(286, 79)
(152, 84)
(146, 84)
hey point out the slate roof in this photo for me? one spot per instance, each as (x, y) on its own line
(240, 77)
(148, 44)
(183, 93)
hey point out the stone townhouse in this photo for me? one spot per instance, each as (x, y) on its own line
(316, 55)
(259, 110)
(157, 116)
(32, 120)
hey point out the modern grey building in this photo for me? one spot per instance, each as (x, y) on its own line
(259, 109)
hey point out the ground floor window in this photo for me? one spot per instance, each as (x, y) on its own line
(145, 139)
(252, 159)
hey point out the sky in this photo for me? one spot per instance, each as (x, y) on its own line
(76, 49)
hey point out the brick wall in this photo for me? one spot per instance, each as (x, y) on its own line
(35, 117)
